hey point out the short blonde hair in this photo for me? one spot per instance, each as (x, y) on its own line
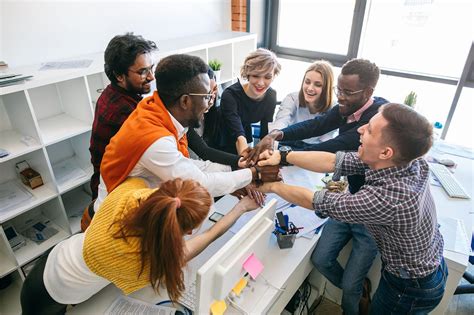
(260, 62)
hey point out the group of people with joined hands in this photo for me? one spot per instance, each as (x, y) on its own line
(148, 193)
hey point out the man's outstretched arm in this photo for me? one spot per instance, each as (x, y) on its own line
(321, 162)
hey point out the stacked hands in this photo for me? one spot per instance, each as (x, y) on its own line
(265, 169)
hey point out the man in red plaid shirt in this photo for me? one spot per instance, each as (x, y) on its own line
(129, 66)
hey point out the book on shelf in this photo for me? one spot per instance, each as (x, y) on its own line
(12, 194)
(11, 78)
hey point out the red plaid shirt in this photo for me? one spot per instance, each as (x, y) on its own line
(113, 107)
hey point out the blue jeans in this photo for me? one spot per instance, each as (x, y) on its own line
(333, 239)
(396, 295)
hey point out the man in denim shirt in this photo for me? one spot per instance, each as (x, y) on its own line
(395, 204)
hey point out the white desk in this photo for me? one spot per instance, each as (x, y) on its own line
(460, 209)
(288, 269)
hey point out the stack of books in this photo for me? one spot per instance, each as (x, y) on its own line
(12, 78)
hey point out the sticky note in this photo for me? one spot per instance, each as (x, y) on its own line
(240, 286)
(253, 266)
(218, 307)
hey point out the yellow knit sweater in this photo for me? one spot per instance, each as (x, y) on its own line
(116, 259)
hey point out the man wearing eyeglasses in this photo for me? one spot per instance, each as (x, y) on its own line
(129, 67)
(152, 142)
(356, 106)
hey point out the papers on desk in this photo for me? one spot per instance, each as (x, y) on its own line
(300, 217)
(124, 305)
(298, 177)
(454, 235)
(305, 218)
(453, 149)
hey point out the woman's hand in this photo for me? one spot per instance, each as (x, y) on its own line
(256, 195)
(246, 204)
(242, 163)
(251, 191)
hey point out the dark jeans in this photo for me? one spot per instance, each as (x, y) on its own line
(35, 299)
(334, 237)
(396, 295)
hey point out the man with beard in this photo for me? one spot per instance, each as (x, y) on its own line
(356, 106)
(129, 67)
(152, 143)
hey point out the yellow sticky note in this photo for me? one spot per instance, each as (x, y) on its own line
(218, 307)
(240, 286)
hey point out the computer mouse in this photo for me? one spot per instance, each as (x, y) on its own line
(446, 162)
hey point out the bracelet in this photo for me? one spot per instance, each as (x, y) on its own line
(258, 172)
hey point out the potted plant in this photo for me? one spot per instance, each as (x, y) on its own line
(216, 65)
(410, 99)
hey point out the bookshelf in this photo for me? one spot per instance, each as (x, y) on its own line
(47, 122)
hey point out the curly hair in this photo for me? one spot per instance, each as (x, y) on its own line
(121, 53)
(367, 71)
(176, 75)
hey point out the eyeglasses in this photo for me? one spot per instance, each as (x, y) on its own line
(206, 96)
(340, 92)
(143, 72)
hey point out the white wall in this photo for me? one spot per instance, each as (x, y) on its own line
(34, 31)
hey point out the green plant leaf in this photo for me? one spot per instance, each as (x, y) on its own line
(215, 64)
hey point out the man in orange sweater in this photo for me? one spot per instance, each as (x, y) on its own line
(152, 142)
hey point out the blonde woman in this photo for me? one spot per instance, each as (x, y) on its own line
(313, 99)
(250, 101)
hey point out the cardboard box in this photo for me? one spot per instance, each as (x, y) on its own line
(29, 176)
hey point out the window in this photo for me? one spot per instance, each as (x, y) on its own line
(421, 36)
(310, 25)
(420, 46)
(461, 128)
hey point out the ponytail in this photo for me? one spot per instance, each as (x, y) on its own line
(161, 221)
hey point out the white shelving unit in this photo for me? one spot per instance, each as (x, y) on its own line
(47, 122)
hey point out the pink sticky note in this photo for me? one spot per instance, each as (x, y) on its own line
(253, 266)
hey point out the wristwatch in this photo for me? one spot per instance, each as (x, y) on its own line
(284, 150)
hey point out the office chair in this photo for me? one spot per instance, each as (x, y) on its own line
(469, 277)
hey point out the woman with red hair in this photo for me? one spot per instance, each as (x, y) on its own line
(136, 239)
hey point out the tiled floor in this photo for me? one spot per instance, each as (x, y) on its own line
(462, 304)
(459, 305)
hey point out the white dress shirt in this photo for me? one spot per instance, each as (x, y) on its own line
(290, 113)
(163, 161)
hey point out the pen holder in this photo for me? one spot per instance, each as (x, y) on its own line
(285, 241)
